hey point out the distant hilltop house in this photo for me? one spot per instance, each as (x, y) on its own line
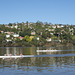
(8, 40)
(9, 33)
(7, 36)
(2, 32)
(37, 38)
(73, 26)
(58, 26)
(33, 33)
(21, 38)
(51, 33)
(51, 30)
(49, 39)
(6, 26)
(53, 26)
(12, 26)
(16, 35)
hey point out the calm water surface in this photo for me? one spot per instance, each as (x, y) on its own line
(61, 62)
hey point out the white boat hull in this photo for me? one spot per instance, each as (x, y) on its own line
(47, 50)
(10, 56)
(17, 56)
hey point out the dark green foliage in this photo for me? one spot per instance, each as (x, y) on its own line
(25, 32)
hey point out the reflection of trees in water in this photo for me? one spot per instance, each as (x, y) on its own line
(18, 51)
(37, 63)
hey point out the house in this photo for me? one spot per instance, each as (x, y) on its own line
(73, 26)
(37, 38)
(33, 33)
(16, 35)
(6, 26)
(51, 30)
(49, 39)
(2, 32)
(21, 38)
(62, 26)
(16, 26)
(51, 33)
(9, 33)
(54, 26)
(8, 40)
(7, 36)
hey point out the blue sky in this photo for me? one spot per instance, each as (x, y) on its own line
(54, 11)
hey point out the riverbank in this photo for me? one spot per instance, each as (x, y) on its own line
(37, 45)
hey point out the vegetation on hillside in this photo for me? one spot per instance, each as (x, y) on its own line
(58, 33)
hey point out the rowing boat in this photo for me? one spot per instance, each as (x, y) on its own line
(17, 56)
(51, 55)
(47, 50)
(11, 56)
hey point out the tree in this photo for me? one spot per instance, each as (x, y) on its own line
(27, 38)
(73, 39)
(10, 24)
(25, 32)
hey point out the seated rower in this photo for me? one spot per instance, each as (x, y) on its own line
(21, 54)
(10, 54)
(15, 54)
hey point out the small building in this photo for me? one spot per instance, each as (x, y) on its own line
(8, 40)
(21, 38)
(7, 36)
(33, 33)
(2, 32)
(51, 33)
(49, 39)
(37, 38)
(51, 29)
(6, 26)
(16, 26)
(53, 26)
(16, 35)
(9, 33)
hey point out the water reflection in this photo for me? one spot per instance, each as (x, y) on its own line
(37, 64)
(41, 62)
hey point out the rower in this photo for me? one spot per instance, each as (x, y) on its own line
(5, 54)
(15, 54)
(21, 54)
(10, 54)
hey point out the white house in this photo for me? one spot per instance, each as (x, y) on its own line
(16, 26)
(58, 26)
(51, 33)
(51, 29)
(16, 35)
(62, 25)
(54, 26)
(8, 40)
(7, 36)
(2, 32)
(49, 39)
(33, 33)
(37, 38)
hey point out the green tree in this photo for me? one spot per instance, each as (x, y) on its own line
(25, 32)
(27, 38)
(10, 24)
(73, 39)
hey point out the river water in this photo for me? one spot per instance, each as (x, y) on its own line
(50, 63)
